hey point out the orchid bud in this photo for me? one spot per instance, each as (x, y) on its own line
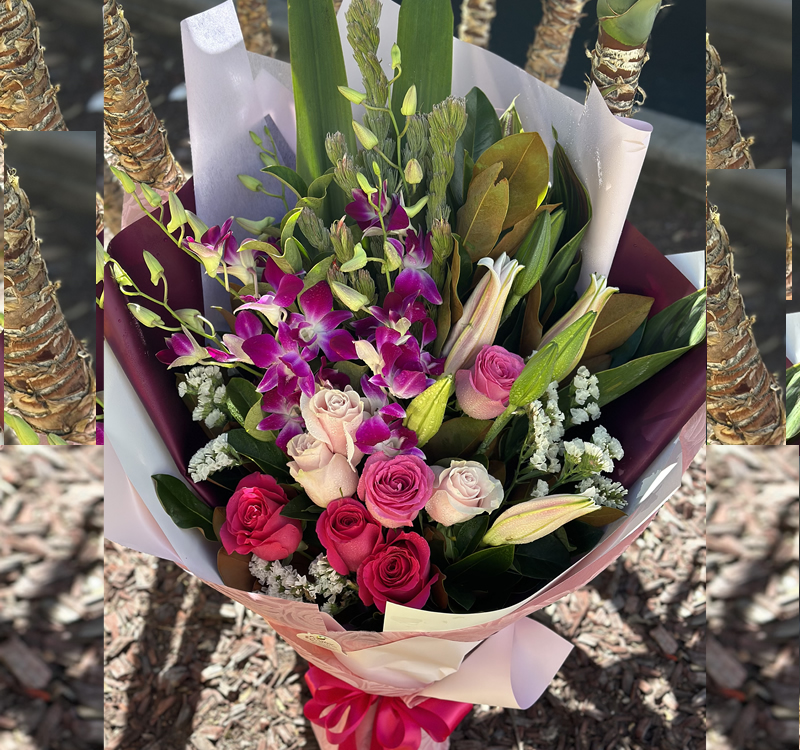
(413, 172)
(425, 413)
(533, 519)
(128, 185)
(392, 257)
(144, 316)
(101, 257)
(155, 268)
(177, 213)
(364, 184)
(409, 102)
(251, 183)
(367, 138)
(198, 227)
(396, 57)
(255, 138)
(352, 95)
(350, 298)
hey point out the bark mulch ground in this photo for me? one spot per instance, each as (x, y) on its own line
(753, 597)
(51, 598)
(185, 667)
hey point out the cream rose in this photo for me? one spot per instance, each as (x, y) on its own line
(462, 491)
(333, 417)
(323, 474)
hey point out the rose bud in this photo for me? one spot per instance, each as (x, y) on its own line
(324, 475)
(253, 521)
(462, 491)
(482, 391)
(395, 489)
(349, 534)
(398, 571)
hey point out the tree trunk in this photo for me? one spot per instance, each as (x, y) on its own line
(725, 146)
(48, 374)
(27, 98)
(476, 21)
(615, 69)
(548, 54)
(99, 214)
(743, 400)
(256, 26)
(136, 136)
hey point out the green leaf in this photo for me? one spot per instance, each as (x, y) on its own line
(792, 402)
(317, 72)
(537, 374)
(24, 432)
(456, 437)
(290, 178)
(317, 192)
(480, 219)
(186, 510)
(318, 273)
(628, 21)
(683, 323)
(487, 562)
(558, 268)
(266, 455)
(470, 533)
(544, 558)
(301, 509)
(619, 319)
(56, 440)
(526, 166)
(625, 353)
(241, 395)
(251, 421)
(534, 254)
(462, 597)
(425, 39)
(583, 536)
(564, 295)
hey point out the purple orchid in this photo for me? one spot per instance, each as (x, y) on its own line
(396, 309)
(248, 325)
(395, 363)
(368, 219)
(215, 242)
(318, 327)
(285, 368)
(284, 416)
(273, 304)
(384, 430)
(181, 350)
(416, 255)
(327, 377)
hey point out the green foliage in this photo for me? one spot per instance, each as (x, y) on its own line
(186, 510)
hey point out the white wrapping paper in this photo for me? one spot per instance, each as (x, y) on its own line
(793, 338)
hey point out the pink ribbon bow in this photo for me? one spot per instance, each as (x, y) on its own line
(340, 709)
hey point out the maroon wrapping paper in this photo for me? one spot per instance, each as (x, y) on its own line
(645, 420)
(135, 346)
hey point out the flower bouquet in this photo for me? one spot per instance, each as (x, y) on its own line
(792, 379)
(387, 403)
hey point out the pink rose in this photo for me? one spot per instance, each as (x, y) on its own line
(398, 571)
(348, 533)
(462, 491)
(324, 475)
(333, 417)
(395, 489)
(482, 391)
(253, 520)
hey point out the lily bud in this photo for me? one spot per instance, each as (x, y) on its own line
(144, 316)
(367, 138)
(409, 102)
(592, 300)
(413, 172)
(480, 320)
(352, 95)
(534, 519)
(425, 413)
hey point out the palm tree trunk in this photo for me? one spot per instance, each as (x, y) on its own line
(476, 21)
(548, 54)
(725, 146)
(27, 98)
(615, 69)
(136, 136)
(48, 374)
(99, 224)
(256, 26)
(743, 400)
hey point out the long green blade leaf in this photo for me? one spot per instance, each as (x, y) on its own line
(425, 38)
(317, 72)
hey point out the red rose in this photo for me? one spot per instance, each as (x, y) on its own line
(253, 520)
(398, 571)
(395, 489)
(349, 534)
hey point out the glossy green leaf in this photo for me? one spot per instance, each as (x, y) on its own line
(317, 72)
(470, 533)
(537, 374)
(186, 510)
(241, 395)
(792, 402)
(301, 509)
(625, 353)
(251, 421)
(486, 562)
(317, 192)
(533, 254)
(526, 166)
(319, 272)
(288, 177)
(480, 220)
(682, 323)
(558, 268)
(456, 437)
(564, 295)
(544, 559)
(266, 455)
(425, 39)
(619, 319)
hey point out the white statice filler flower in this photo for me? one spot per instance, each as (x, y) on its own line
(205, 384)
(212, 457)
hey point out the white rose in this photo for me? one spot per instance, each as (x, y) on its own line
(324, 475)
(333, 417)
(462, 491)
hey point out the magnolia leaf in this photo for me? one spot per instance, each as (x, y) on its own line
(266, 455)
(556, 272)
(458, 437)
(241, 395)
(531, 327)
(602, 516)
(186, 510)
(234, 570)
(484, 563)
(255, 414)
(617, 322)
(480, 219)
(597, 364)
(301, 508)
(542, 559)
(526, 166)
